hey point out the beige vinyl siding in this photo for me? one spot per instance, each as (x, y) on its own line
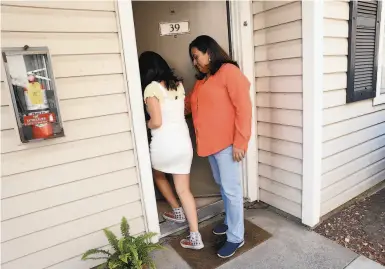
(58, 195)
(278, 69)
(353, 134)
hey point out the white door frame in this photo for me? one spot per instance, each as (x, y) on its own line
(241, 26)
(138, 127)
(243, 48)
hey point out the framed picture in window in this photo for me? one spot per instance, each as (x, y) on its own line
(33, 92)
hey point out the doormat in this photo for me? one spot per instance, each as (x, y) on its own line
(207, 258)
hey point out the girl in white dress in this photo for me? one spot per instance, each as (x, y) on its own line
(170, 148)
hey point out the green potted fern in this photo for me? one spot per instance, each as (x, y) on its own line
(129, 252)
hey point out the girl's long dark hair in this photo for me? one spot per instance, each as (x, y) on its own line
(154, 68)
(217, 54)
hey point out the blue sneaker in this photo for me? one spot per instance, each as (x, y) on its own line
(229, 249)
(220, 229)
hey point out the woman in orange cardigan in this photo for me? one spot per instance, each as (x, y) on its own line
(221, 109)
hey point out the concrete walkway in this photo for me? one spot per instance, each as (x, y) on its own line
(292, 246)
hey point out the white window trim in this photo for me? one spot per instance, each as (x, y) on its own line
(312, 82)
(380, 98)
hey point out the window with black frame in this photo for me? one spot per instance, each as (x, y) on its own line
(33, 92)
(363, 53)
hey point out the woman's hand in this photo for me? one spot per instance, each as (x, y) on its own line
(238, 154)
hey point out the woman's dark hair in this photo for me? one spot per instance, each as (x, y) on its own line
(218, 56)
(154, 68)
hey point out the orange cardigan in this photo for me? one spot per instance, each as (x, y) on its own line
(221, 110)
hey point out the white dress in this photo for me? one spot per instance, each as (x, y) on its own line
(171, 149)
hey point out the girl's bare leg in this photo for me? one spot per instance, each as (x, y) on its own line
(182, 185)
(165, 188)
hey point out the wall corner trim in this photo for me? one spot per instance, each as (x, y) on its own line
(312, 80)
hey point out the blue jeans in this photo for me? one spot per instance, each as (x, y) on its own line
(226, 173)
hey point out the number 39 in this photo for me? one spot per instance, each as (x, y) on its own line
(174, 27)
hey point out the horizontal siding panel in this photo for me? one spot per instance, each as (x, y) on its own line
(24, 19)
(335, 46)
(281, 147)
(348, 155)
(66, 173)
(335, 64)
(342, 143)
(293, 12)
(106, 5)
(280, 116)
(3, 75)
(70, 249)
(285, 67)
(87, 65)
(261, 6)
(280, 33)
(280, 100)
(280, 203)
(282, 162)
(349, 111)
(287, 133)
(279, 189)
(352, 167)
(78, 263)
(74, 130)
(336, 10)
(336, 28)
(5, 96)
(79, 87)
(68, 231)
(334, 98)
(8, 120)
(339, 129)
(279, 84)
(352, 180)
(351, 193)
(335, 81)
(68, 212)
(64, 43)
(23, 161)
(283, 50)
(74, 109)
(285, 177)
(35, 201)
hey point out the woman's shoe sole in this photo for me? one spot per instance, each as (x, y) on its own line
(225, 257)
(191, 247)
(173, 220)
(219, 233)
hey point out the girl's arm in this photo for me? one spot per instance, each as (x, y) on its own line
(152, 98)
(153, 108)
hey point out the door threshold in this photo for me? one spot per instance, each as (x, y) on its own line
(204, 213)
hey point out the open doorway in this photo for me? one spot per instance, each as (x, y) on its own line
(203, 17)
